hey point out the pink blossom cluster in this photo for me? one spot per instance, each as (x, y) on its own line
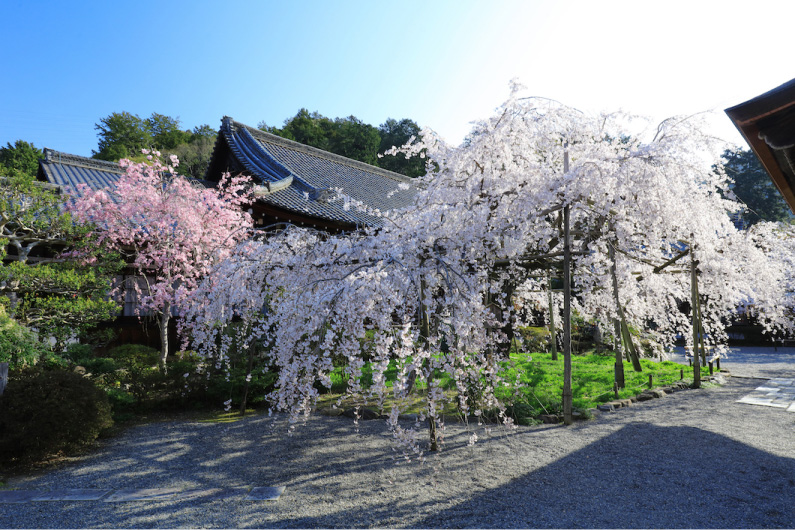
(174, 230)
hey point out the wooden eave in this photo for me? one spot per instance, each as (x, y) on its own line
(760, 121)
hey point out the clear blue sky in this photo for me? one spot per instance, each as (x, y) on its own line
(441, 63)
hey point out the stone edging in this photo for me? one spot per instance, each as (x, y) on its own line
(654, 393)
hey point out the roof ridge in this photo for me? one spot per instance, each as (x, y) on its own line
(314, 151)
(53, 156)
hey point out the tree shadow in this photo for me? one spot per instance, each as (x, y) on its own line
(638, 475)
(641, 476)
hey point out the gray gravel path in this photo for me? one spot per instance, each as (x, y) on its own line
(693, 459)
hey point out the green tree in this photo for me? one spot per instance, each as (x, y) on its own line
(194, 156)
(165, 132)
(397, 133)
(754, 188)
(40, 286)
(203, 131)
(308, 128)
(21, 156)
(354, 139)
(121, 135)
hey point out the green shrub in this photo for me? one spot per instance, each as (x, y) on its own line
(46, 412)
(77, 352)
(536, 339)
(122, 404)
(19, 346)
(135, 355)
(99, 365)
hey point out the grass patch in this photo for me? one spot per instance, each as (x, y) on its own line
(592, 380)
(534, 385)
(227, 417)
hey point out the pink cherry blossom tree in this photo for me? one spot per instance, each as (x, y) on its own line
(435, 286)
(172, 229)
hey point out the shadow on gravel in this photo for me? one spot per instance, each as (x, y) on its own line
(638, 476)
(685, 478)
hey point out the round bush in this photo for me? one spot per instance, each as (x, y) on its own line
(18, 345)
(46, 412)
(135, 355)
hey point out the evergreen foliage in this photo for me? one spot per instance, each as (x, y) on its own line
(40, 285)
(22, 157)
(45, 412)
(753, 187)
(352, 138)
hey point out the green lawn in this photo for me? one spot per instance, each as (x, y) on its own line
(541, 383)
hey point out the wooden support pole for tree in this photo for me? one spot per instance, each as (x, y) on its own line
(701, 334)
(695, 319)
(3, 377)
(619, 364)
(552, 333)
(567, 392)
(630, 346)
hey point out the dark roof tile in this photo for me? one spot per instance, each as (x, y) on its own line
(304, 179)
(69, 171)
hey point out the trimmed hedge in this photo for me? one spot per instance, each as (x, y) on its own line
(43, 413)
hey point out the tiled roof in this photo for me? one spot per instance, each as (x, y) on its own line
(303, 179)
(68, 171)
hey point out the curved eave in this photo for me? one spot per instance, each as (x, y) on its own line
(766, 124)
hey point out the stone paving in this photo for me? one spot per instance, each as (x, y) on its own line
(778, 393)
(130, 495)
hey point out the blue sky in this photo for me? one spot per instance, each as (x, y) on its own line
(441, 63)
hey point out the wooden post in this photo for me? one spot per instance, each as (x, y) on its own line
(717, 363)
(681, 373)
(567, 393)
(619, 364)
(710, 368)
(651, 380)
(3, 377)
(694, 315)
(552, 333)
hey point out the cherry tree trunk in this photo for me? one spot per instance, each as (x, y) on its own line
(244, 400)
(165, 318)
(425, 332)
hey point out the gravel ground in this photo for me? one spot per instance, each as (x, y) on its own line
(693, 459)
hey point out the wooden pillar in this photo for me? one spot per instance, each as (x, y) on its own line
(3, 377)
(567, 392)
(695, 318)
(619, 364)
(552, 333)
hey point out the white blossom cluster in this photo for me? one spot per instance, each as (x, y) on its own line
(437, 284)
